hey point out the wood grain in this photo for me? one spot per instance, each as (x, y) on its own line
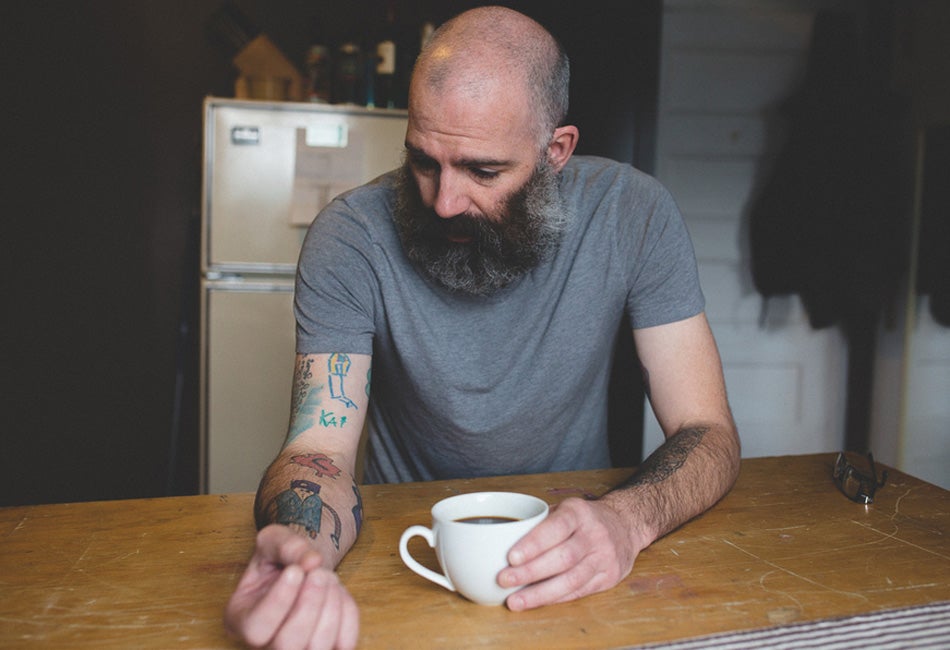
(783, 547)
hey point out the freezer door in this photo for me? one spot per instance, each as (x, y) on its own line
(248, 359)
(270, 167)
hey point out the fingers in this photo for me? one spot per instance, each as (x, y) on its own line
(280, 545)
(286, 599)
(262, 619)
(300, 610)
(323, 616)
(581, 548)
(575, 583)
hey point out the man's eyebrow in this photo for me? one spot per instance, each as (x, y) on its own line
(415, 152)
(419, 154)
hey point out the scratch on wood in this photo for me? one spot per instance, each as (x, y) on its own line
(898, 539)
(905, 587)
(897, 504)
(130, 554)
(792, 573)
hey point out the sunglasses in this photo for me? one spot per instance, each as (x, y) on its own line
(855, 484)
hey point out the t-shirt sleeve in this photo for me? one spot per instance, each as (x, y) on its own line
(664, 279)
(333, 295)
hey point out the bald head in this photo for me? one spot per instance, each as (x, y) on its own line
(485, 47)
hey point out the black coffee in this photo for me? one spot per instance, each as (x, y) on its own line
(486, 520)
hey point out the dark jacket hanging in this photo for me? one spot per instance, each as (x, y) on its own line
(829, 223)
(933, 269)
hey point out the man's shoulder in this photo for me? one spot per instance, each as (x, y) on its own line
(379, 190)
(591, 178)
(368, 205)
(593, 169)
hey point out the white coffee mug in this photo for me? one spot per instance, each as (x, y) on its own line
(472, 553)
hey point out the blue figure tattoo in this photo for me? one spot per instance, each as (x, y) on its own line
(302, 505)
(338, 366)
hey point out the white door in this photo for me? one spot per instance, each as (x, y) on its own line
(724, 67)
(924, 449)
(248, 332)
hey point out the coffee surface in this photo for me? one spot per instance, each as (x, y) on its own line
(486, 520)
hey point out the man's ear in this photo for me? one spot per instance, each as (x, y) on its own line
(562, 146)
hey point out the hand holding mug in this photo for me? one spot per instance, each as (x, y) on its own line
(471, 535)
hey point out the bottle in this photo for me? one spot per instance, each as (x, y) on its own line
(385, 73)
(348, 79)
(318, 73)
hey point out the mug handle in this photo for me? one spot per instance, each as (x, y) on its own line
(410, 561)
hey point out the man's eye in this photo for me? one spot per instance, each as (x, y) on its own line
(484, 174)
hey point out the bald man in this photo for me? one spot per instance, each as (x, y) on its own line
(484, 283)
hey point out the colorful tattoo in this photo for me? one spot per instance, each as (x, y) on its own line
(304, 401)
(337, 527)
(358, 509)
(338, 366)
(322, 464)
(301, 505)
(670, 457)
(329, 419)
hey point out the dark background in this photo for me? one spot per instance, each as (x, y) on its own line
(102, 108)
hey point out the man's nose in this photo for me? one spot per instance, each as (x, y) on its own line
(450, 198)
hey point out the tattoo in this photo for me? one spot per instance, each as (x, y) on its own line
(358, 509)
(304, 401)
(669, 458)
(338, 366)
(329, 419)
(301, 505)
(337, 527)
(369, 380)
(322, 464)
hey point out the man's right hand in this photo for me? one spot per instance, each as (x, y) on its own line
(287, 598)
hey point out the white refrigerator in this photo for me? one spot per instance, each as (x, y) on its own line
(268, 168)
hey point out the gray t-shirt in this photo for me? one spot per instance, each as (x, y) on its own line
(512, 383)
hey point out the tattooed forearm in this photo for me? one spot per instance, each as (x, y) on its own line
(669, 458)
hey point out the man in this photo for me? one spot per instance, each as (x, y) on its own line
(485, 280)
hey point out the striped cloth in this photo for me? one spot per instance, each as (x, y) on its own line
(926, 626)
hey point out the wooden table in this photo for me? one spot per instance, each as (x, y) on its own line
(783, 547)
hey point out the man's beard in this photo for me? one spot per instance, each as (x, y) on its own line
(502, 248)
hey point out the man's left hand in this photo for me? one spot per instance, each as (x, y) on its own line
(581, 548)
